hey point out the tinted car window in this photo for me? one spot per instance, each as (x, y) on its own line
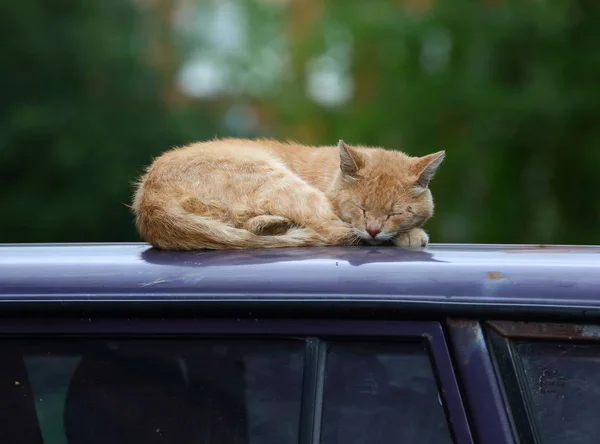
(381, 393)
(146, 391)
(562, 383)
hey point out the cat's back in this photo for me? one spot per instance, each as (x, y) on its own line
(232, 152)
(214, 149)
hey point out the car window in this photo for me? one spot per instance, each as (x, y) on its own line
(381, 393)
(562, 384)
(217, 391)
(146, 391)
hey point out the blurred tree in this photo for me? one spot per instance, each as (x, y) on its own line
(509, 89)
(81, 115)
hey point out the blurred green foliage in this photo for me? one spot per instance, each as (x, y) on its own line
(511, 90)
(80, 116)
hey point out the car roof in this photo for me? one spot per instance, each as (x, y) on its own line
(456, 278)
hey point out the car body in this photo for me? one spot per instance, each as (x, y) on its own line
(452, 344)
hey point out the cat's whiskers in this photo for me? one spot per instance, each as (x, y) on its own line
(354, 238)
(385, 236)
(354, 241)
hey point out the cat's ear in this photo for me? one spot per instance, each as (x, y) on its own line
(350, 160)
(426, 167)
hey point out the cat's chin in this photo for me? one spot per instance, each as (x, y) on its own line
(375, 242)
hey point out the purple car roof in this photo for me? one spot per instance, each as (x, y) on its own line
(457, 279)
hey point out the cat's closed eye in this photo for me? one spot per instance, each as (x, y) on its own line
(364, 212)
(400, 213)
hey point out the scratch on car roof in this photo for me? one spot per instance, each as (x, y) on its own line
(154, 282)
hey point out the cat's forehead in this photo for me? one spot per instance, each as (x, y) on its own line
(390, 164)
(388, 182)
(386, 193)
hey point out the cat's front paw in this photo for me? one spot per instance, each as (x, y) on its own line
(413, 239)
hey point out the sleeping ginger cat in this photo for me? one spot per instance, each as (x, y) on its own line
(238, 194)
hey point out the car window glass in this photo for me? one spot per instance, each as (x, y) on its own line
(382, 393)
(215, 391)
(562, 383)
(145, 391)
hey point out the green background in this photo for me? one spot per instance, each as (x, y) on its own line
(511, 90)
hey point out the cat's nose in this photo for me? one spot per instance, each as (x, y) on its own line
(373, 230)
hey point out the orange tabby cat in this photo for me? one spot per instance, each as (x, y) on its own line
(238, 194)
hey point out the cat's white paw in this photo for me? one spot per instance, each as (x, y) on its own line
(413, 239)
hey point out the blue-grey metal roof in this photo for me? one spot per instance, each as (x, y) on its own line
(460, 276)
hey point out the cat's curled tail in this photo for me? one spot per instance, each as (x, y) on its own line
(174, 228)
